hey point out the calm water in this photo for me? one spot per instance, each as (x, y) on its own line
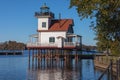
(16, 68)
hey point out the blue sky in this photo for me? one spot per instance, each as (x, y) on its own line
(17, 19)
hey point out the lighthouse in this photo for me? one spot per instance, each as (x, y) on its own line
(53, 33)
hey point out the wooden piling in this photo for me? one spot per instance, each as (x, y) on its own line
(32, 57)
(111, 70)
(28, 58)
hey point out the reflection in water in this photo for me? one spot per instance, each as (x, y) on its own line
(61, 70)
(88, 70)
(16, 68)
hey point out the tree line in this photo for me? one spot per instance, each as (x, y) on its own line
(12, 45)
(89, 47)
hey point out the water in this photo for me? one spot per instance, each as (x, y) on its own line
(13, 68)
(17, 68)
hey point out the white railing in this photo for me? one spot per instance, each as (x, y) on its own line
(69, 44)
(37, 44)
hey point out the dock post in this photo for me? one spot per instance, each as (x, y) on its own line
(65, 58)
(33, 57)
(117, 69)
(29, 59)
(6, 53)
(14, 53)
(57, 55)
(52, 57)
(76, 56)
(111, 71)
(43, 56)
(38, 58)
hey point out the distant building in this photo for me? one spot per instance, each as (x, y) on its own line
(53, 33)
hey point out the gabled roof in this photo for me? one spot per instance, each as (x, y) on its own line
(60, 25)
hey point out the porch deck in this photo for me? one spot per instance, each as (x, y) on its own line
(70, 45)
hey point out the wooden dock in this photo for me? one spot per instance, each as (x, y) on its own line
(40, 56)
(72, 56)
(11, 52)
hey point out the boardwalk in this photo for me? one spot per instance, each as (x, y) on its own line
(110, 65)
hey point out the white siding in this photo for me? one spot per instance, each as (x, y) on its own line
(40, 20)
(44, 36)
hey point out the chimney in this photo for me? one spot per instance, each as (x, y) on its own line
(59, 19)
(59, 16)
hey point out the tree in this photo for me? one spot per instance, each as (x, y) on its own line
(107, 24)
(12, 45)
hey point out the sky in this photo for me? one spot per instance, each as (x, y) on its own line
(17, 20)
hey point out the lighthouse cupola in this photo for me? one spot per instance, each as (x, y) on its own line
(44, 9)
(44, 12)
(44, 17)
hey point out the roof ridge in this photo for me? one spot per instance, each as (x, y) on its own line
(63, 19)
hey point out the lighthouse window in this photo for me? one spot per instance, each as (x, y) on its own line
(52, 39)
(43, 24)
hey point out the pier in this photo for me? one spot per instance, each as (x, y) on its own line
(38, 55)
(11, 52)
(49, 58)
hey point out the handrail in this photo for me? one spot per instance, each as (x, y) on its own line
(40, 44)
(104, 72)
(51, 44)
(110, 68)
(69, 44)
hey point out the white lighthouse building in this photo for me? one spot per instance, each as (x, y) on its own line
(53, 33)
